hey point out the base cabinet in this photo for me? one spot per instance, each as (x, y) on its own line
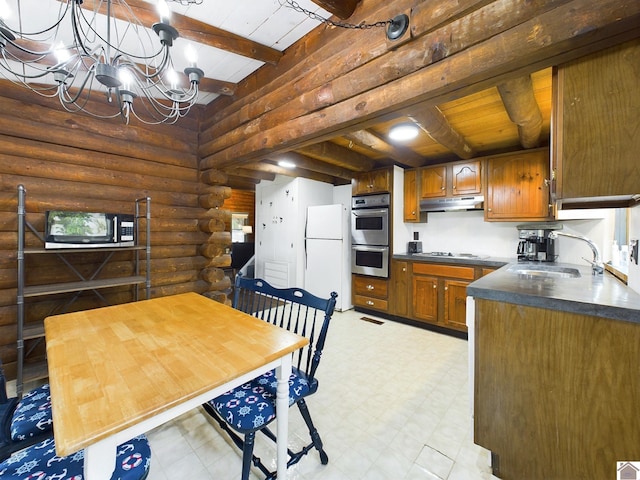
(439, 294)
(556, 394)
(370, 292)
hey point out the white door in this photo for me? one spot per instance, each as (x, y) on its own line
(325, 221)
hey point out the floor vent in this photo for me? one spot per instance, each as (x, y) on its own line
(372, 320)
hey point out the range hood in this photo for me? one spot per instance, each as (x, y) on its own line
(452, 204)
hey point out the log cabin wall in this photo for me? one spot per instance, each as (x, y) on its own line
(336, 80)
(75, 162)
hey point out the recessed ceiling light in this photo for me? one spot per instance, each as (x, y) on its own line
(403, 132)
(286, 164)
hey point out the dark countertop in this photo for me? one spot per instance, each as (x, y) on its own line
(482, 261)
(597, 295)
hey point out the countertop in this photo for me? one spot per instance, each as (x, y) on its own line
(482, 261)
(597, 295)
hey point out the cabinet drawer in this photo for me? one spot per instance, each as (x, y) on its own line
(370, 302)
(371, 287)
(443, 270)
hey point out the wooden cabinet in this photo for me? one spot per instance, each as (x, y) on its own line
(451, 179)
(438, 293)
(425, 297)
(569, 380)
(433, 181)
(370, 292)
(517, 186)
(411, 199)
(596, 123)
(455, 304)
(376, 181)
(399, 292)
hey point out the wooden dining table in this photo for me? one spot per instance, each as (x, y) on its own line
(119, 371)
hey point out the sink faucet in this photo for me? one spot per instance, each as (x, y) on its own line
(597, 268)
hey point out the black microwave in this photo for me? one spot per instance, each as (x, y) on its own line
(64, 229)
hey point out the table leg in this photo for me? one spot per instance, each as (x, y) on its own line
(283, 372)
(99, 461)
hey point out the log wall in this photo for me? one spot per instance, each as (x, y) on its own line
(75, 162)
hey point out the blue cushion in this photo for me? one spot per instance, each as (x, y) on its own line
(252, 406)
(39, 462)
(33, 414)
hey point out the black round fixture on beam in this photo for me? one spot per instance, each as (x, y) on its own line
(398, 26)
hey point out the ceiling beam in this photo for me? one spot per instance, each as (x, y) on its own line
(313, 165)
(373, 142)
(342, 9)
(197, 31)
(290, 172)
(339, 156)
(433, 122)
(523, 109)
(249, 173)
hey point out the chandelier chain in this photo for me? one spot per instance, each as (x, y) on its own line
(314, 16)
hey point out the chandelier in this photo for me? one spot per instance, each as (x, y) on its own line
(101, 49)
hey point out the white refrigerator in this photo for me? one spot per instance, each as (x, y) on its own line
(328, 253)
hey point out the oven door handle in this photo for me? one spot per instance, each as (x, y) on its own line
(368, 212)
(369, 248)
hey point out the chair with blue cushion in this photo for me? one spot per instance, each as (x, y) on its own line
(250, 408)
(39, 461)
(24, 422)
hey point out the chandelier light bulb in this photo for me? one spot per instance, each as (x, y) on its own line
(126, 78)
(61, 53)
(164, 11)
(5, 10)
(191, 54)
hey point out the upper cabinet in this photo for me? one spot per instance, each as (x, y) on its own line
(517, 186)
(411, 203)
(596, 136)
(376, 181)
(451, 179)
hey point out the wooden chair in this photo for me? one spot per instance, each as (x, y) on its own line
(249, 408)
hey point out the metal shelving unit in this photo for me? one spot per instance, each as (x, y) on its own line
(35, 331)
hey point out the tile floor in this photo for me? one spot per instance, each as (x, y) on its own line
(393, 403)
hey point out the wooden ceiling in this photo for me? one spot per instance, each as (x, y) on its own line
(472, 126)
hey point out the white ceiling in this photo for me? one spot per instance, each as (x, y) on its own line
(268, 22)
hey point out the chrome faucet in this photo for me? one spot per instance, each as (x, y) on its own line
(597, 268)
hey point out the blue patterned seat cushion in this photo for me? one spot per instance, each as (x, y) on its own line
(33, 414)
(252, 406)
(39, 462)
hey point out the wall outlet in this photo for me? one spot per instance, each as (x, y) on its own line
(633, 251)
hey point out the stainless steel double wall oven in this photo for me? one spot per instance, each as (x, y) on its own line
(370, 235)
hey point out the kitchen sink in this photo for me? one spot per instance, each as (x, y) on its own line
(545, 271)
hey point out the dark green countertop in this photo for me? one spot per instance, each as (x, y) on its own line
(597, 295)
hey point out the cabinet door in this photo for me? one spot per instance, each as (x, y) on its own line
(400, 288)
(380, 181)
(517, 187)
(411, 205)
(597, 123)
(433, 182)
(466, 178)
(455, 304)
(425, 298)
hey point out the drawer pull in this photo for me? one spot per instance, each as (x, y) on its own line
(369, 302)
(370, 287)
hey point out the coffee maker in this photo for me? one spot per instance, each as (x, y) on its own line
(535, 244)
